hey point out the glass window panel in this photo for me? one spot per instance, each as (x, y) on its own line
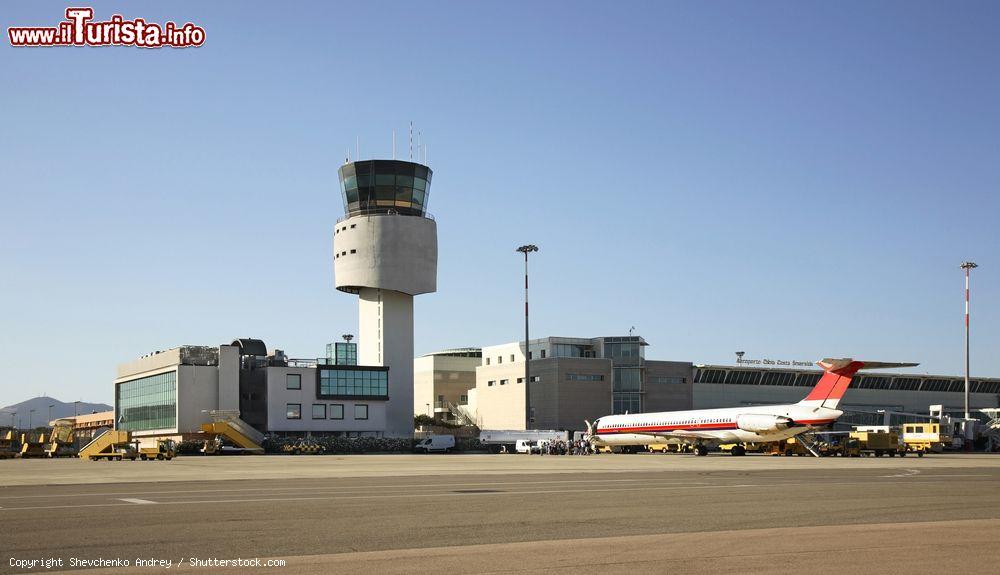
(351, 182)
(385, 180)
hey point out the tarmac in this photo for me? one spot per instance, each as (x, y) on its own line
(506, 514)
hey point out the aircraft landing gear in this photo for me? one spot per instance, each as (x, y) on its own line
(738, 450)
(700, 450)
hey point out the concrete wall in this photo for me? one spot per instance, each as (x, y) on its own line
(188, 354)
(668, 396)
(279, 396)
(385, 338)
(197, 391)
(435, 375)
(561, 403)
(229, 377)
(392, 252)
(558, 402)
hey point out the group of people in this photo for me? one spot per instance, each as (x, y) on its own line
(577, 447)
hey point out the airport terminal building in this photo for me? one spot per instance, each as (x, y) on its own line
(572, 380)
(173, 392)
(578, 379)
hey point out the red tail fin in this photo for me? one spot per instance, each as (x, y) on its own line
(835, 381)
(833, 384)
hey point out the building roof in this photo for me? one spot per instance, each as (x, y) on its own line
(458, 352)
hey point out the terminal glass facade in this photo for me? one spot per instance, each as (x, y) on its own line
(367, 382)
(147, 403)
(627, 357)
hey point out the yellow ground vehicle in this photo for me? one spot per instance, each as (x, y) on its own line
(787, 448)
(8, 441)
(664, 448)
(921, 438)
(165, 449)
(55, 443)
(111, 445)
(227, 427)
(303, 447)
(878, 441)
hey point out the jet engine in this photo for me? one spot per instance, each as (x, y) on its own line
(761, 423)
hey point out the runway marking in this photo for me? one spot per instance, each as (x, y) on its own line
(137, 501)
(453, 494)
(339, 488)
(906, 473)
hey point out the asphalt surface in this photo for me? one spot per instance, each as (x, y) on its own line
(700, 515)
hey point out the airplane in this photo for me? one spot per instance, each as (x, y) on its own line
(702, 428)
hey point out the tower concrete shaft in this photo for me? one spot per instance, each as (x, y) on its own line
(385, 251)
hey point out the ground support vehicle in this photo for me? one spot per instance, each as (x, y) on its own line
(303, 447)
(878, 441)
(436, 444)
(112, 444)
(9, 441)
(166, 449)
(921, 438)
(227, 427)
(788, 448)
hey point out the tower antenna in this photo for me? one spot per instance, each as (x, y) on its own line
(411, 140)
(394, 144)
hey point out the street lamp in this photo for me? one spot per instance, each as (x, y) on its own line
(527, 249)
(30, 411)
(967, 266)
(76, 408)
(51, 405)
(347, 337)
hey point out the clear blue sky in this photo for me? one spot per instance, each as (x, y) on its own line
(796, 180)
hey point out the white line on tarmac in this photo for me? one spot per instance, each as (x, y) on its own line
(340, 488)
(138, 501)
(459, 494)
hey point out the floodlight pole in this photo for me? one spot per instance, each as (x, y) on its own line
(968, 267)
(526, 249)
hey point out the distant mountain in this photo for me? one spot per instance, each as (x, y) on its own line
(41, 415)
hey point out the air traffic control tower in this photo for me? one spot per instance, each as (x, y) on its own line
(385, 251)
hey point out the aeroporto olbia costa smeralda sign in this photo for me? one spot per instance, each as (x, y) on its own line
(775, 362)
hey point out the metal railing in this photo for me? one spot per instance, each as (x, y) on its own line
(384, 211)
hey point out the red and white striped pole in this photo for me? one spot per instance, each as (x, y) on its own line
(967, 266)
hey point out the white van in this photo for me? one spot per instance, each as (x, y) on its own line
(528, 446)
(436, 443)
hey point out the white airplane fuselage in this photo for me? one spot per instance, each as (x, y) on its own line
(725, 425)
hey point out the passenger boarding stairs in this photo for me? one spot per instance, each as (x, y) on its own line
(105, 442)
(992, 429)
(227, 424)
(461, 413)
